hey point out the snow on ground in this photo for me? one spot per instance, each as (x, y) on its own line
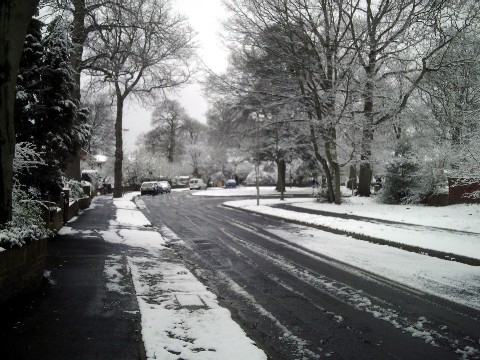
(180, 317)
(457, 217)
(125, 202)
(447, 279)
(134, 238)
(67, 230)
(464, 244)
(250, 191)
(465, 217)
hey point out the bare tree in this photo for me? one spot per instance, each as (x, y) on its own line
(297, 52)
(149, 49)
(194, 134)
(101, 119)
(398, 43)
(15, 16)
(168, 120)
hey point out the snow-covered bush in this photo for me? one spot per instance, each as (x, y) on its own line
(400, 175)
(413, 175)
(266, 176)
(76, 189)
(27, 223)
(322, 195)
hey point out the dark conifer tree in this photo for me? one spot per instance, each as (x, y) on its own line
(46, 113)
(28, 83)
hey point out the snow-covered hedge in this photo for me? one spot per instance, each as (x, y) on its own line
(75, 187)
(27, 223)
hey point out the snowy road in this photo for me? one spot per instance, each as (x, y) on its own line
(296, 304)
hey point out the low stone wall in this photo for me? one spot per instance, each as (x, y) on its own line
(73, 209)
(84, 203)
(21, 269)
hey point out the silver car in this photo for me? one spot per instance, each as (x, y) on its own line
(165, 185)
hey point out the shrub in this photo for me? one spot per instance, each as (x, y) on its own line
(76, 188)
(400, 175)
(27, 223)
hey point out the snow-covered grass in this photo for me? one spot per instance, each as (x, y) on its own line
(251, 191)
(457, 243)
(456, 217)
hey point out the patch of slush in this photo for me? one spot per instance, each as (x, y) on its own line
(131, 217)
(135, 238)
(113, 274)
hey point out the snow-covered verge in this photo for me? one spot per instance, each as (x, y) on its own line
(464, 217)
(252, 190)
(456, 217)
(429, 238)
(181, 318)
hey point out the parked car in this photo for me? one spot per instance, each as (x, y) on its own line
(165, 186)
(197, 184)
(231, 183)
(149, 187)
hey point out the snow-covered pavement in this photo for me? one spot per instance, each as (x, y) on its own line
(181, 318)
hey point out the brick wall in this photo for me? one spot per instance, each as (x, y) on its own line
(458, 188)
(21, 269)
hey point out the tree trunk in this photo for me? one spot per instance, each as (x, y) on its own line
(72, 170)
(337, 192)
(281, 175)
(331, 153)
(171, 148)
(365, 173)
(324, 163)
(15, 16)
(118, 171)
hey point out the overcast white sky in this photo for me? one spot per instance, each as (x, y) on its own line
(204, 17)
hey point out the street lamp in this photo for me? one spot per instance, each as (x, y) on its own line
(258, 117)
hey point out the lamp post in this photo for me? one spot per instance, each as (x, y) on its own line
(258, 118)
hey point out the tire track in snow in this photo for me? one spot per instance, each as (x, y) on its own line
(421, 328)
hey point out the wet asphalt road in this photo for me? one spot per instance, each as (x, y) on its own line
(298, 305)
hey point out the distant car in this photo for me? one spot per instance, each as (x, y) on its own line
(231, 183)
(165, 186)
(197, 184)
(149, 187)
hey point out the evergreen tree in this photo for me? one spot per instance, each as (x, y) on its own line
(400, 177)
(28, 83)
(46, 114)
